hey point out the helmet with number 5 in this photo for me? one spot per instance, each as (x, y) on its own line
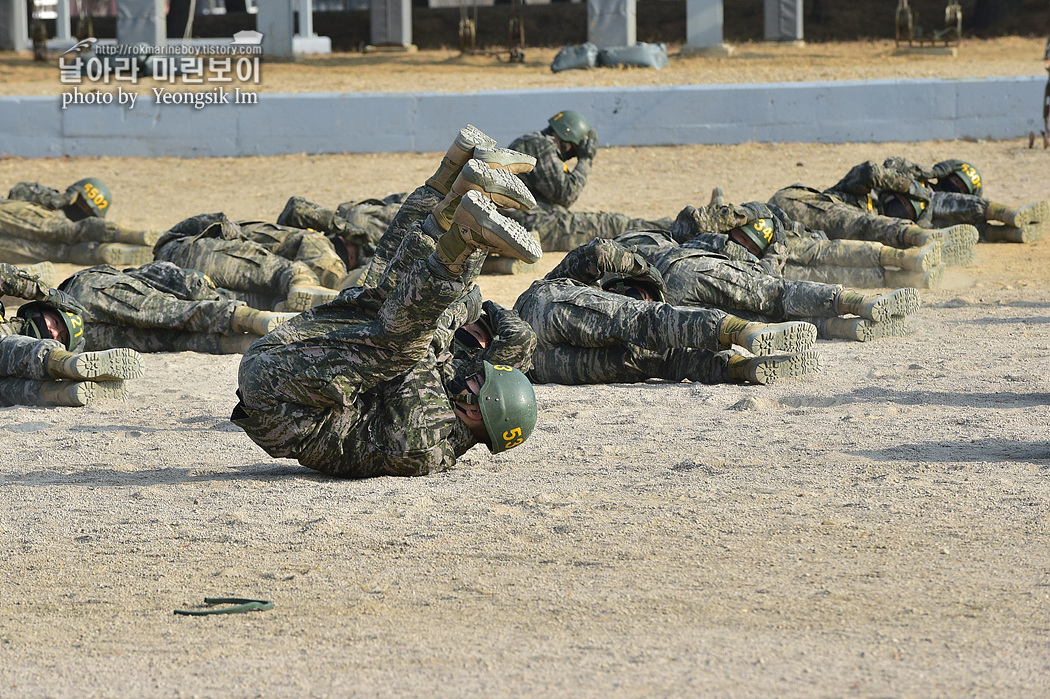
(508, 406)
(964, 179)
(93, 192)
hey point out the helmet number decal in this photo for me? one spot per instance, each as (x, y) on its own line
(502, 367)
(512, 438)
(972, 174)
(92, 192)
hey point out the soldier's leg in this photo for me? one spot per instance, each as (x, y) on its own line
(561, 230)
(59, 393)
(861, 253)
(102, 336)
(86, 254)
(859, 329)
(867, 277)
(98, 230)
(957, 242)
(131, 302)
(565, 364)
(42, 360)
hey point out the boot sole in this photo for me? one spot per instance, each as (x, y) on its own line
(511, 239)
(958, 245)
(896, 303)
(505, 159)
(503, 188)
(769, 370)
(791, 337)
(930, 259)
(471, 137)
(868, 330)
(299, 300)
(87, 392)
(506, 265)
(120, 254)
(113, 364)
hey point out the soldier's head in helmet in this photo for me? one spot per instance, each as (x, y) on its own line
(570, 129)
(44, 321)
(87, 197)
(496, 403)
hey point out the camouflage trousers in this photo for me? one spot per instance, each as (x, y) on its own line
(815, 252)
(231, 260)
(745, 287)
(102, 336)
(32, 233)
(416, 207)
(951, 208)
(23, 367)
(580, 327)
(852, 277)
(568, 365)
(559, 230)
(351, 388)
(125, 311)
(822, 212)
(373, 216)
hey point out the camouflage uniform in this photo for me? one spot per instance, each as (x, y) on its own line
(34, 225)
(23, 360)
(556, 188)
(354, 387)
(158, 307)
(849, 209)
(696, 277)
(255, 260)
(587, 335)
(357, 223)
(797, 252)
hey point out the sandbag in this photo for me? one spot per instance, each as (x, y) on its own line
(641, 54)
(570, 57)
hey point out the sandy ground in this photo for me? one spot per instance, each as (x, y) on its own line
(877, 530)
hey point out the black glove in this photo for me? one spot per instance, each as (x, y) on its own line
(64, 302)
(588, 146)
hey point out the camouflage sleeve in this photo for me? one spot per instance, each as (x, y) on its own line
(21, 284)
(869, 175)
(693, 221)
(37, 194)
(945, 168)
(515, 340)
(912, 170)
(589, 263)
(552, 180)
(299, 213)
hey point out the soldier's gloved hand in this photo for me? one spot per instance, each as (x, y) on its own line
(588, 147)
(64, 302)
(917, 190)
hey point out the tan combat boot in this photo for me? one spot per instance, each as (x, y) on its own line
(461, 150)
(75, 394)
(912, 259)
(767, 338)
(504, 189)
(769, 369)
(130, 236)
(878, 307)
(1033, 218)
(124, 255)
(957, 242)
(246, 319)
(1009, 234)
(505, 159)
(859, 329)
(304, 292)
(477, 225)
(107, 365)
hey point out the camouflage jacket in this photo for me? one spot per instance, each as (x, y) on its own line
(861, 185)
(551, 181)
(36, 193)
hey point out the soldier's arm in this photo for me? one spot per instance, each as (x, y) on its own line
(300, 213)
(869, 175)
(37, 194)
(21, 284)
(515, 340)
(693, 221)
(552, 179)
(589, 263)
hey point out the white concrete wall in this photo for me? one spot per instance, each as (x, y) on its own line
(836, 112)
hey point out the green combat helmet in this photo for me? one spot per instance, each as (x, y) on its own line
(570, 126)
(508, 406)
(964, 179)
(34, 314)
(756, 235)
(94, 194)
(898, 205)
